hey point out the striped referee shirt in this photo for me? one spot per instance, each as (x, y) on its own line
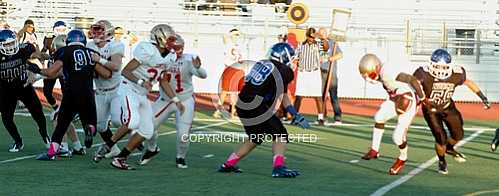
(309, 57)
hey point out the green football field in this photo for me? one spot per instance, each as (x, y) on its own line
(329, 166)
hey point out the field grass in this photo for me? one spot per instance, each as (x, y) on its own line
(330, 166)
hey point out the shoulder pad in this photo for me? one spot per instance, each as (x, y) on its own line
(144, 52)
(117, 48)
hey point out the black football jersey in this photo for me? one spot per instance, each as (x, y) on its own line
(440, 92)
(13, 68)
(78, 68)
(266, 79)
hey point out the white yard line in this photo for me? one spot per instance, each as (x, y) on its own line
(95, 145)
(385, 189)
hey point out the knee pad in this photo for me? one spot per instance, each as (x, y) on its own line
(102, 126)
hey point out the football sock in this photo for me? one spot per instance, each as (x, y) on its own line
(77, 145)
(320, 116)
(232, 160)
(106, 137)
(278, 160)
(124, 153)
(403, 153)
(54, 147)
(377, 136)
(440, 149)
(64, 146)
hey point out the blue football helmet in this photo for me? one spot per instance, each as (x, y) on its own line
(8, 42)
(440, 64)
(76, 37)
(60, 28)
(283, 53)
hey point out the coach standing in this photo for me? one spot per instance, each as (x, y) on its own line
(309, 80)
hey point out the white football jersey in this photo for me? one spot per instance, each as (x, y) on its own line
(388, 76)
(152, 64)
(111, 48)
(180, 75)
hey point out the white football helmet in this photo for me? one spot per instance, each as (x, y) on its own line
(370, 68)
(101, 31)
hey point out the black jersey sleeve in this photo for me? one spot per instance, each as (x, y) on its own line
(463, 76)
(27, 49)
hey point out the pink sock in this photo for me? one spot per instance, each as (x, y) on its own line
(278, 160)
(54, 147)
(232, 160)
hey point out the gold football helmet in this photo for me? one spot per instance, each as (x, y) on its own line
(370, 68)
(102, 30)
(163, 36)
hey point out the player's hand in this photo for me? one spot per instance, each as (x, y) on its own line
(180, 107)
(147, 85)
(33, 67)
(95, 57)
(196, 62)
(486, 104)
(299, 120)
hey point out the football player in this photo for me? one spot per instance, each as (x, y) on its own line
(57, 43)
(14, 86)
(139, 75)
(106, 94)
(401, 103)
(75, 62)
(59, 28)
(264, 90)
(440, 79)
(179, 76)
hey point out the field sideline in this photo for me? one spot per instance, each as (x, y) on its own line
(330, 166)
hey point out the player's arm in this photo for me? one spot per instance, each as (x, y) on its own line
(116, 58)
(165, 85)
(298, 119)
(474, 88)
(197, 69)
(52, 72)
(413, 82)
(102, 71)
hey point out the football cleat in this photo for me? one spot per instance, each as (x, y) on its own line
(495, 141)
(120, 163)
(44, 157)
(442, 167)
(115, 151)
(80, 151)
(15, 147)
(181, 163)
(459, 157)
(148, 155)
(397, 167)
(100, 153)
(64, 153)
(229, 169)
(283, 172)
(371, 154)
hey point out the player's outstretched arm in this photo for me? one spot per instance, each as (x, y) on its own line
(413, 82)
(165, 85)
(298, 119)
(52, 72)
(197, 70)
(474, 88)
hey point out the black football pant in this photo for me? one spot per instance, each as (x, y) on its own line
(451, 117)
(10, 94)
(75, 103)
(48, 88)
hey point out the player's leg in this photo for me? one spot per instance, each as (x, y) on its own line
(162, 109)
(220, 105)
(184, 123)
(48, 87)
(386, 112)
(233, 101)
(280, 139)
(400, 137)
(435, 122)
(77, 148)
(495, 142)
(144, 130)
(454, 122)
(8, 102)
(104, 103)
(30, 99)
(320, 110)
(88, 117)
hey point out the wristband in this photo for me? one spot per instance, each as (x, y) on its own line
(103, 61)
(175, 99)
(291, 110)
(140, 82)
